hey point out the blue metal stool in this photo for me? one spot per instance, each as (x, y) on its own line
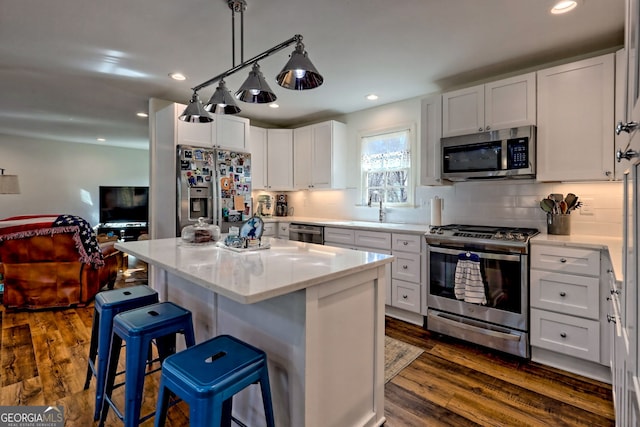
(207, 375)
(107, 305)
(160, 322)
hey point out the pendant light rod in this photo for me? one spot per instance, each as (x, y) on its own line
(259, 57)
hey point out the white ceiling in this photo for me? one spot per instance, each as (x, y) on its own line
(76, 70)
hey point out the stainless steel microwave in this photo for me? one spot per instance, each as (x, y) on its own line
(506, 153)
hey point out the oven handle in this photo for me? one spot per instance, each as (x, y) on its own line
(304, 231)
(496, 334)
(485, 255)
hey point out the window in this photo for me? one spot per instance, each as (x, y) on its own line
(386, 159)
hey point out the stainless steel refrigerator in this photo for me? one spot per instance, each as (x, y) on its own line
(213, 183)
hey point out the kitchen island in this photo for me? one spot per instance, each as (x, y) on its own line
(317, 311)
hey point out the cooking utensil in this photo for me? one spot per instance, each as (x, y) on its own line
(556, 197)
(564, 208)
(571, 200)
(547, 205)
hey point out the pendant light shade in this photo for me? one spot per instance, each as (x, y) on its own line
(299, 73)
(221, 101)
(255, 89)
(195, 112)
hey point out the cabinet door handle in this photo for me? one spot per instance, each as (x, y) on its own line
(563, 260)
(611, 319)
(479, 129)
(563, 334)
(404, 267)
(488, 128)
(563, 294)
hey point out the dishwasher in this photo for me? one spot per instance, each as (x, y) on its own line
(306, 233)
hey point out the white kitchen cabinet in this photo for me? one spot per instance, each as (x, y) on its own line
(231, 132)
(258, 148)
(271, 159)
(569, 327)
(575, 121)
(430, 134)
(497, 105)
(320, 153)
(279, 159)
(225, 131)
(408, 274)
(270, 229)
(361, 240)
(283, 230)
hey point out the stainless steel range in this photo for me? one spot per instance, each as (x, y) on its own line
(478, 285)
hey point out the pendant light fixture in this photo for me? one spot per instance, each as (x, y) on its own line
(221, 101)
(256, 89)
(298, 74)
(195, 112)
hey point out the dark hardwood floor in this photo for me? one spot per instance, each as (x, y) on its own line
(43, 359)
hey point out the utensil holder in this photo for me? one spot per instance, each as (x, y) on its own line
(559, 224)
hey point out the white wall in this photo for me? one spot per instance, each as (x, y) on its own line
(63, 178)
(488, 202)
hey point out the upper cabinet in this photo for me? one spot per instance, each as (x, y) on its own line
(225, 131)
(258, 149)
(271, 159)
(497, 105)
(320, 156)
(575, 121)
(430, 134)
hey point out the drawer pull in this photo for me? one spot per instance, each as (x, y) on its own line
(563, 260)
(405, 243)
(563, 334)
(611, 319)
(404, 267)
(563, 294)
(405, 296)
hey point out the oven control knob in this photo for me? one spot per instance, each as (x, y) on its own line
(520, 237)
(508, 236)
(499, 235)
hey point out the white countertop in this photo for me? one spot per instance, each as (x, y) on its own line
(250, 277)
(406, 228)
(611, 245)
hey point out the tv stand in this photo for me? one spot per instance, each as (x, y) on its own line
(125, 231)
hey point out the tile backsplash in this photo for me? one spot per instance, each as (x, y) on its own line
(512, 203)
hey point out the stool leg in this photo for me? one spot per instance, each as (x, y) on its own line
(204, 413)
(134, 380)
(266, 396)
(105, 331)
(93, 348)
(114, 356)
(163, 404)
(227, 407)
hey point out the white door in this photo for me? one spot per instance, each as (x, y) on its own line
(321, 155)
(280, 159)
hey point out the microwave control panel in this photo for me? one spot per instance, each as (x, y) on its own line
(518, 153)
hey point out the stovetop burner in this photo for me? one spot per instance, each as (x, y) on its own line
(476, 234)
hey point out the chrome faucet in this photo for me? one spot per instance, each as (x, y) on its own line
(381, 210)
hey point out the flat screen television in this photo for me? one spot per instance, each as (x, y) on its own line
(124, 204)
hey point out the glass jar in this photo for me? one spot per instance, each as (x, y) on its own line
(200, 233)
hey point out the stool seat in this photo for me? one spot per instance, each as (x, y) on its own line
(107, 305)
(207, 375)
(137, 328)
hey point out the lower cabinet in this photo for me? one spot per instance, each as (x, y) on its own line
(405, 281)
(569, 327)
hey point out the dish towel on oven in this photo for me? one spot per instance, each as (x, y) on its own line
(468, 285)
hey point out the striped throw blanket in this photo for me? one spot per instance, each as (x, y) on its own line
(468, 284)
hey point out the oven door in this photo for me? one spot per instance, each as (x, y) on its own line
(505, 281)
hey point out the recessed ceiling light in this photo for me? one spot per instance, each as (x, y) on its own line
(274, 105)
(142, 114)
(177, 76)
(101, 139)
(372, 97)
(564, 6)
